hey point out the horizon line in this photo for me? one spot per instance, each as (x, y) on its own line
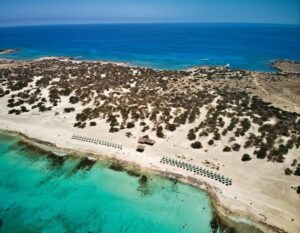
(154, 22)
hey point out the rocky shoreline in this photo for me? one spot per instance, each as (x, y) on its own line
(287, 66)
(8, 51)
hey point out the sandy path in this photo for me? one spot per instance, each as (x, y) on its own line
(275, 97)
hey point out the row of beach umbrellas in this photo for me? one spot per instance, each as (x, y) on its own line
(197, 169)
(97, 141)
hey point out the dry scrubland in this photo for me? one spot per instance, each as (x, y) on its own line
(244, 124)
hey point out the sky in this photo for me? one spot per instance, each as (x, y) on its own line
(23, 12)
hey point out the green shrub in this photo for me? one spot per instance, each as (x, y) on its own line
(196, 145)
(227, 149)
(211, 142)
(130, 125)
(68, 110)
(191, 135)
(93, 123)
(288, 171)
(246, 157)
(159, 132)
(171, 127)
(236, 147)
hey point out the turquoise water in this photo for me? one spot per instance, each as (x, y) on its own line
(163, 46)
(39, 195)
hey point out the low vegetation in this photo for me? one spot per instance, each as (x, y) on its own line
(165, 102)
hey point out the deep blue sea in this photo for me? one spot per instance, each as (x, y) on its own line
(162, 46)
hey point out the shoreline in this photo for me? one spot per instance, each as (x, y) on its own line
(224, 216)
(271, 63)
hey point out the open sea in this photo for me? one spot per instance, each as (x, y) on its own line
(161, 46)
(38, 194)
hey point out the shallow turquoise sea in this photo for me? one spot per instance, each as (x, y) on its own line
(39, 195)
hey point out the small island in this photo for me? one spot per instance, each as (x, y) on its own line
(234, 133)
